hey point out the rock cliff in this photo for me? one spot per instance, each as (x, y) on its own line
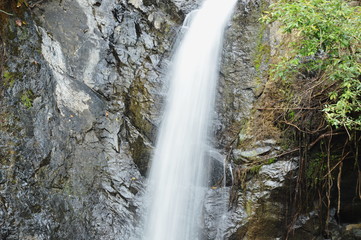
(81, 93)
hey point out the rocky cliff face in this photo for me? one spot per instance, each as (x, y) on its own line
(81, 95)
(82, 89)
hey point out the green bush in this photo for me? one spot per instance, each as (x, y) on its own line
(326, 43)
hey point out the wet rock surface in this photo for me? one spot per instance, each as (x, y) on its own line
(259, 210)
(242, 69)
(78, 112)
(80, 99)
(75, 154)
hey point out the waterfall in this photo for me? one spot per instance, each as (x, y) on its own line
(179, 172)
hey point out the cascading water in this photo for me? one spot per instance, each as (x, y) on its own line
(179, 171)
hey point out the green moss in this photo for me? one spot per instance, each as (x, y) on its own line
(23, 34)
(255, 169)
(9, 79)
(263, 55)
(27, 98)
(263, 50)
(271, 160)
(137, 102)
(249, 208)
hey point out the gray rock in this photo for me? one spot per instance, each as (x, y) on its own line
(216, 215)
(239, 78)
(75, 177)
(251, 153)
(260, 204)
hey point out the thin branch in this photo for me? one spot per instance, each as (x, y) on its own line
(300, 108)
(339, 162)
(349, 135)
(329, 183)
(311, 144)
(306, 130)
(10, 14)
(358, 189)
(339, 189)
(293, 125)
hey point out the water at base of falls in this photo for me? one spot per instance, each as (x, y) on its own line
(179, 171)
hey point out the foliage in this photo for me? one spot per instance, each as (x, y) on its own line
(326, 45)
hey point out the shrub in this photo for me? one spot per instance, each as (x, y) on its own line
(327, 44)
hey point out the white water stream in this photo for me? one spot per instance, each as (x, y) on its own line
(179, 172)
